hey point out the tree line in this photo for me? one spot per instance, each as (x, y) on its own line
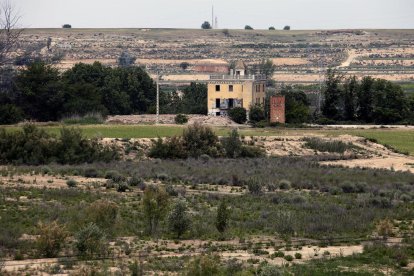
(40, 92)
(366, 100)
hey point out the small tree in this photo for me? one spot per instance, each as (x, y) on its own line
(206, 25)
(204, 265)
(238, 115)
(9, 31)
(256, 114)
(232, 144)
(126, 60)
(155, 205)
(272, 28)
(67, 26)
(254, 186)
(103, 213)
(248, 27)
(184, 65)
(222, 218)
(91, 241)
(178, 219)
(286, 28)
(51, 238)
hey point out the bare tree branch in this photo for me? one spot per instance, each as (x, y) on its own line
(9, 31)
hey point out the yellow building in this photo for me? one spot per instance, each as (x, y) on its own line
(236, 89)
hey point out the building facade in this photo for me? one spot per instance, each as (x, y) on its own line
(236, 89)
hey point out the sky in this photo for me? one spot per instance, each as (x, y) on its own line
(231, 14)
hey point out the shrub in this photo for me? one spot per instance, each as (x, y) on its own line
(171, 148)
(238, 115)
(327, 146)
(232, 145)
(51, 239)
(155, 205)
(87, 119)
(114, 176)
(91, 241)
(170, 190)
(136, 181)
(248, 27)
(203, 265)
(10, 114)
(284, 184)
(298, 256)
(199, 139)
(181, 119)
(251, 152)
(34, 146)
(254, 185)
(122, 187)
(278, 254)
(71, 183)
(178, 219)
(103, 213)
(289, 258)
(90, 173)
(270, 270)
(256, 114)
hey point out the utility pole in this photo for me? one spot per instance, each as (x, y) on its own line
(158, 98)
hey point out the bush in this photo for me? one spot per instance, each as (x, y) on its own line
(90, 173)
(181, 119)
(179, 220)
(248, 27)
(203, 265)
(256, 114)
(288, 258)
(254, 185)
(232, 145)
(327, 146)
(87, 119)
(122, 187)
(298, 256)
(136, 181)
(51, 239)
(91, 241)
(114, 176)
(10, 114)
(34, 146)
(71, 183)
(172, 148)
(284, 184)
(103, 213)
(270, 270)
(199, 139)
(238, 115)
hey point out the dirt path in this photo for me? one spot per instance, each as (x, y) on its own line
(351, 56)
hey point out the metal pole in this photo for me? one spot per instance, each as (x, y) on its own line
(158, 98)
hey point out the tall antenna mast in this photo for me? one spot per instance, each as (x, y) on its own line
(212, 16)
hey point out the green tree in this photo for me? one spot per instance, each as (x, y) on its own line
(178, 219)
(296, 105)
(232, 145)
(248, 27)
(10, 114)
(331, 107)
(103, 213)
(238, 115)
(350, 91)
(126, 60)
(40, 92)
(272, 28)
(194, 100)
(286, 28)
(82, 98)
(155, 205)
(256, 113)
(206, 25)
(365, 105)
(222, 218)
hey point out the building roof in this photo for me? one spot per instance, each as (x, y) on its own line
(240, 65)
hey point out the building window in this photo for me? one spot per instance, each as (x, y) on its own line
(218, 103)
(231, 103)
(230, 88)
(217, 88)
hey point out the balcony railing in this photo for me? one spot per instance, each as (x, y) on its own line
(237, 77)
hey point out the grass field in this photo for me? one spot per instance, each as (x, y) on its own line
(401, 140)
